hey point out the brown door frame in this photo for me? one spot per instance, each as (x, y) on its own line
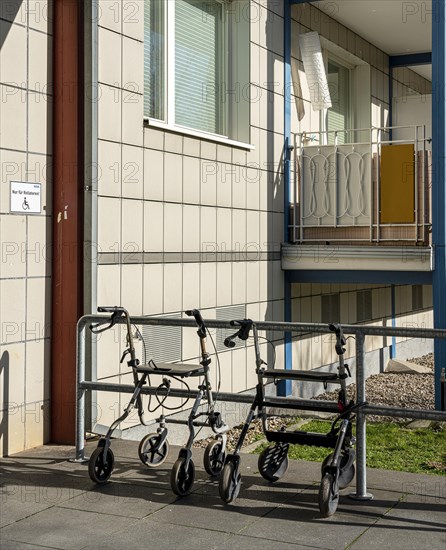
(67, 215)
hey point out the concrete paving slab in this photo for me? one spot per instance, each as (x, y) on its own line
(63, 528)
(15, 545)
(122, 499)
(253, 543)
(300, 523)
(404, 482)
(162, 536)
(410, 525)
(24, 495)
(205, 511)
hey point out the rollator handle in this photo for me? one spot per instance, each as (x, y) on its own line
(116, 312)
(111, 309)
(340, 338)
(199, 320)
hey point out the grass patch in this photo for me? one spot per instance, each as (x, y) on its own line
(390, 445)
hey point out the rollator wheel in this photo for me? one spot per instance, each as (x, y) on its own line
(214, 457)
(181, 479)
(230, 483)
(150, 452)
(328, 496)
(346, 475)
(98, 469)
(273, 462)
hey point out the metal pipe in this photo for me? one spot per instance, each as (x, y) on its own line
(416, 182)
(320, 328)
(361, 472)
(90, 244)
(421, 414)
(80, 394)
(281, 402)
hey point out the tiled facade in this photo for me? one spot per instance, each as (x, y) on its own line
(25, 269)
(183, 222)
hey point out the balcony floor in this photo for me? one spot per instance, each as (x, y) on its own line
(357, 264)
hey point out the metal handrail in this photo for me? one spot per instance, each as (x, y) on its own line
(359, 331)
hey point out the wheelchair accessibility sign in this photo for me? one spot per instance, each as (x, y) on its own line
(25, 198)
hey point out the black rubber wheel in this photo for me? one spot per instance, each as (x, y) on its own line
(230, 483)
(273, 462)
(150, 452)
(328, 496)
(346, 475)
(98, 469)
(214, 457)
(181, 480)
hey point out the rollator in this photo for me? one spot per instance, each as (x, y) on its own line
(338, 469)
(154, 448)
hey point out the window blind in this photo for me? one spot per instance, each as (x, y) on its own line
(154, 59)
(198, 55)
(338, 115)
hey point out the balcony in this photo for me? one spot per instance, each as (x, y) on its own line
(361, 200)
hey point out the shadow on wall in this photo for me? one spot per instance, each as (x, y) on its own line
(274, 164)
(4, 378)
(8, 10)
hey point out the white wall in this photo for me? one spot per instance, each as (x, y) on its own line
(412, 110)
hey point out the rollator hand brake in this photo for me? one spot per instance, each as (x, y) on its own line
(116, 313)
(242, 333)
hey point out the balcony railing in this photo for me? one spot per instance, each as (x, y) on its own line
(365, 186)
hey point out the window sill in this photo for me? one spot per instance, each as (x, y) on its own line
(149, 123)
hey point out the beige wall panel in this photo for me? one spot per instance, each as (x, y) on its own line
(132, 118)
(12, 380)
(133, 18)
(173, 298)
(110, 15)
(110, 167)
(13, 66)
(131, 288)
(153, 283)
(154, 174)
(109, 285)
(132, 172)
(109, 126)
(109, 57)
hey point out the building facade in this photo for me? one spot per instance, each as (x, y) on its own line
(158, 132)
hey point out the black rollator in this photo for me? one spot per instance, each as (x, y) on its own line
(154, 447)
(338, 468)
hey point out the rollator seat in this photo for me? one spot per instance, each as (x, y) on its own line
(175, 369)
(292, 374)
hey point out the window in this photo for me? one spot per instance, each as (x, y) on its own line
(154, 59)
(338, 117)
(348, 79)
(196, 66)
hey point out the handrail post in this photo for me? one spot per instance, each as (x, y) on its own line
(80, 393)
(361, 473)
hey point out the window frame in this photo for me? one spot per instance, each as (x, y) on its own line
(168, 122)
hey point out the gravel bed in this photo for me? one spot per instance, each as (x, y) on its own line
(413, 391)
(406, 391)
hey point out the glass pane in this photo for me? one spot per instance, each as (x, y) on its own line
(198, 65)
(154, 59)
(338, 115)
